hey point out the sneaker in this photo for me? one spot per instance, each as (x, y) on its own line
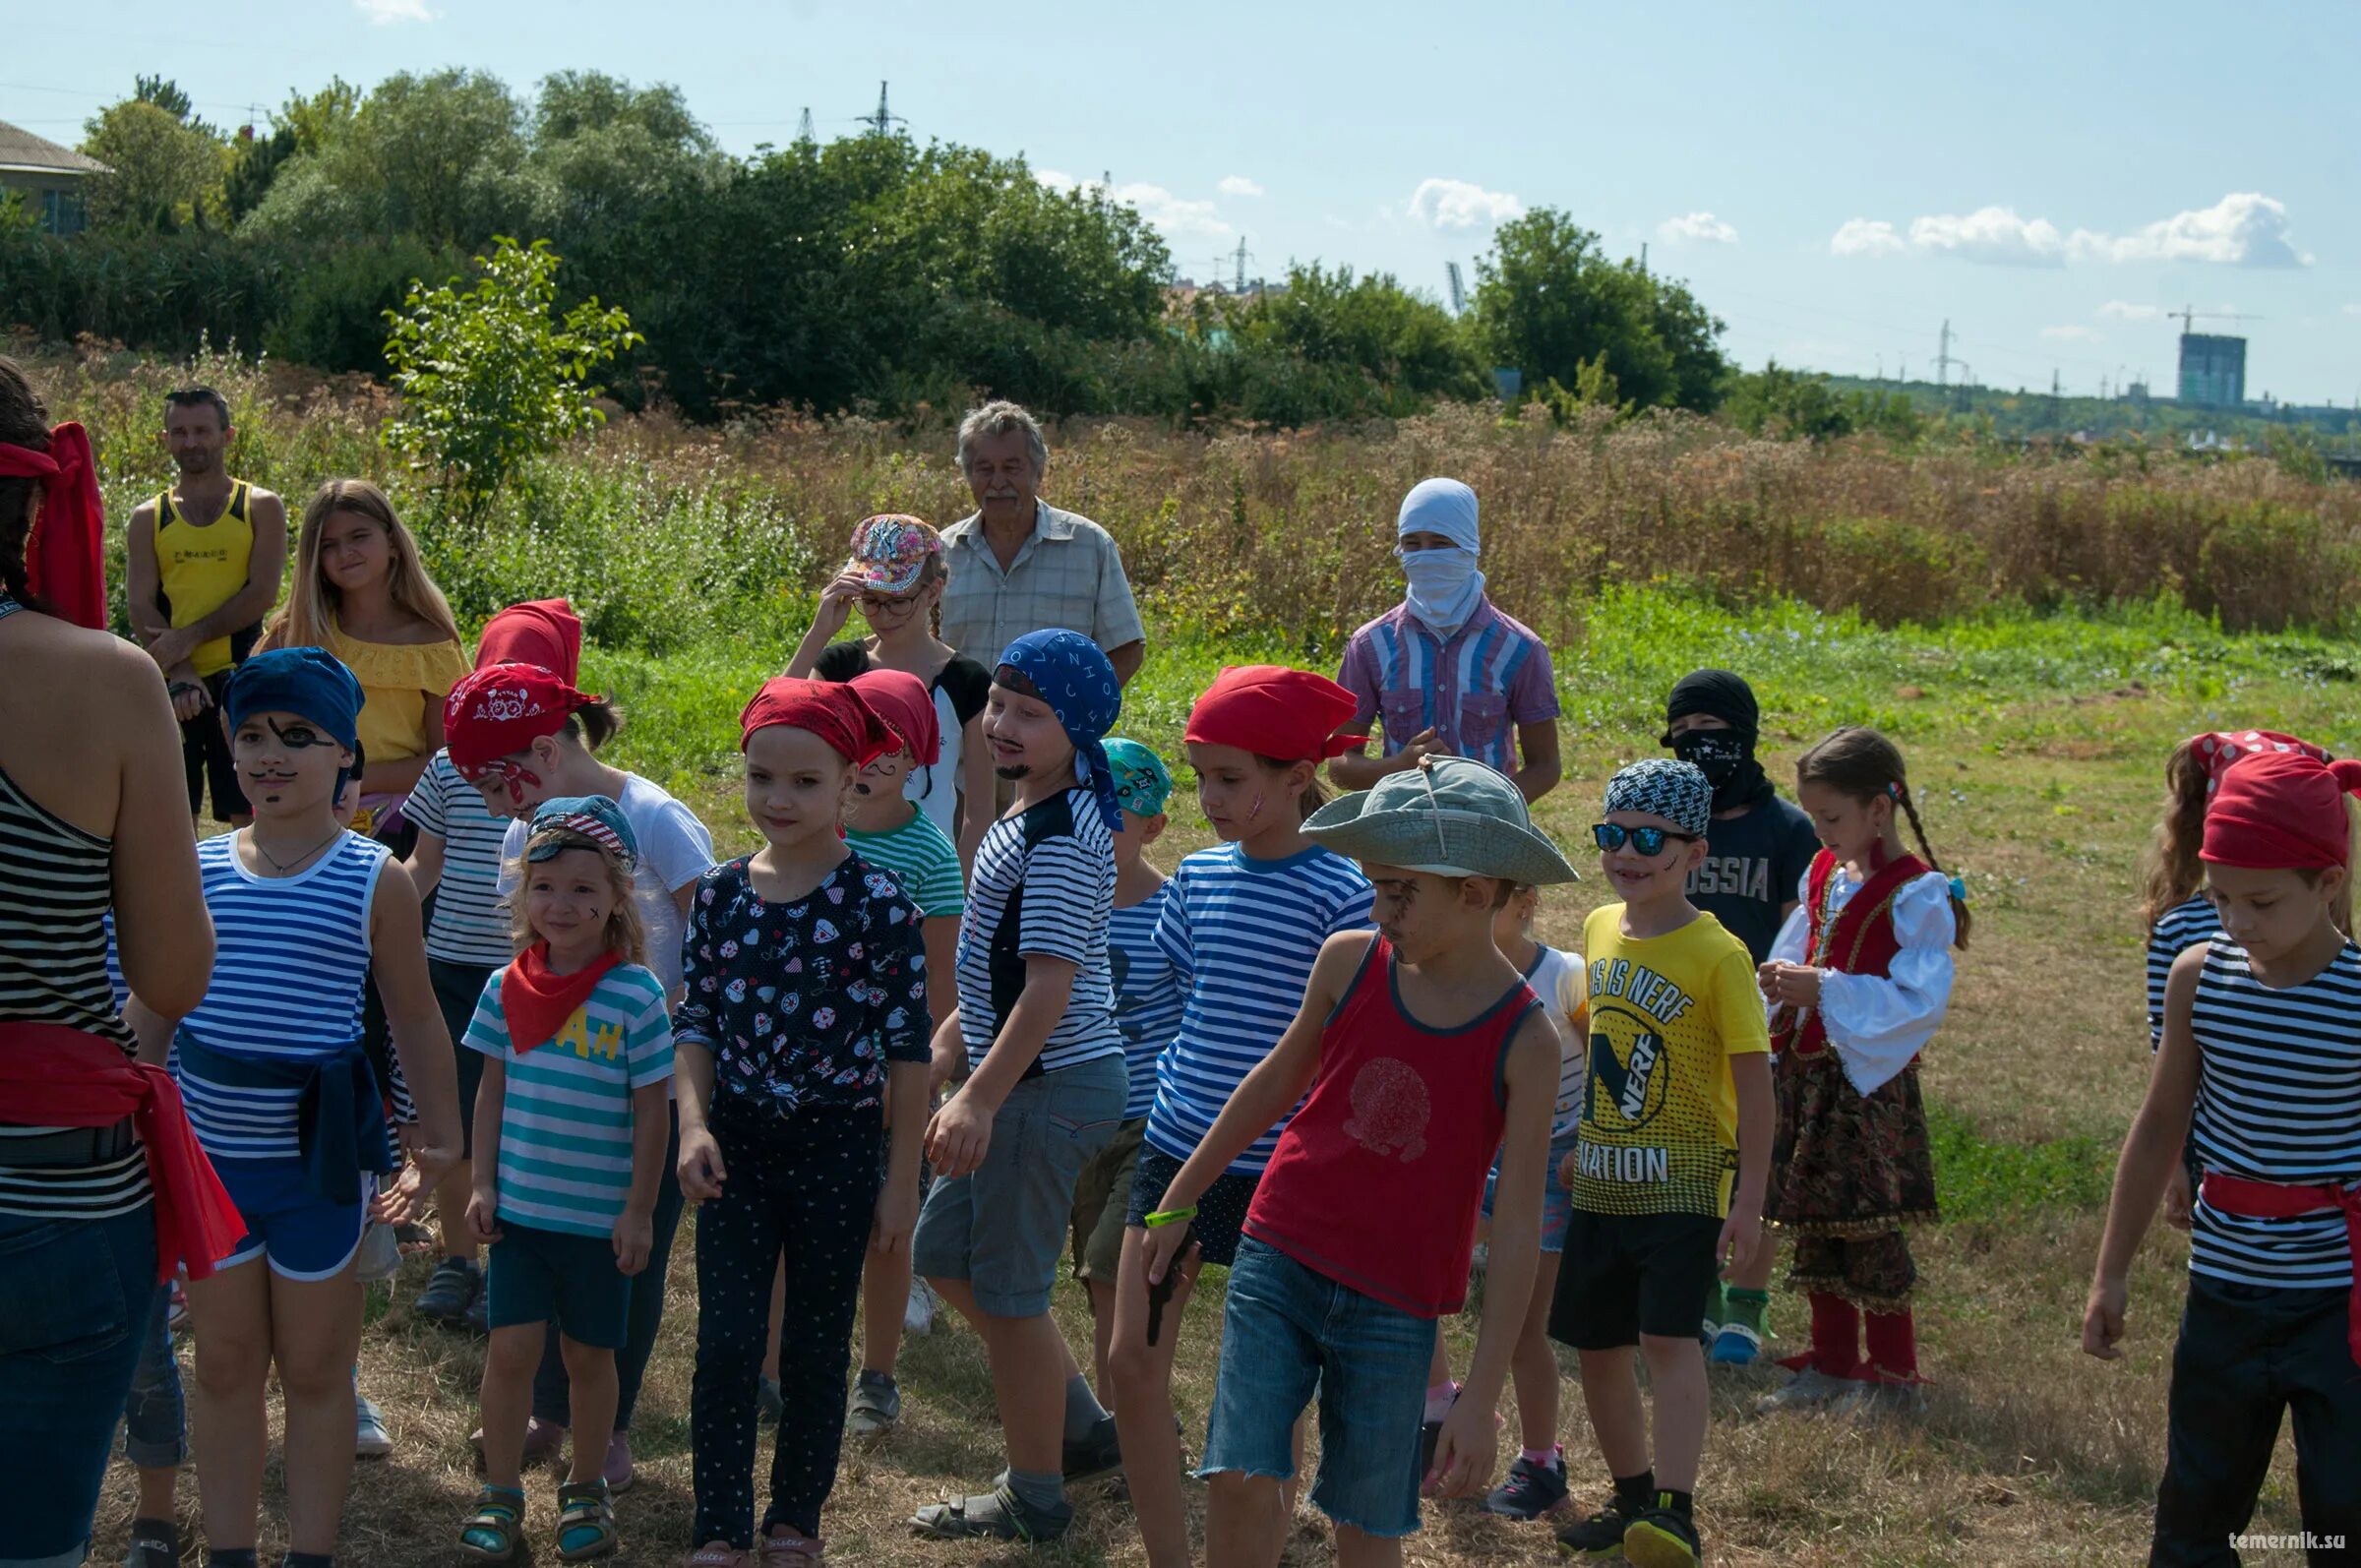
(477, 1319)
(455, 1286)
(1879, 1397)
(1662, 1538)
(618, 1471)
(1531, 1490)
(1808, 1390)
(1095, 1456)
(1600, 1537)
(999, 1515)
(719, 1555)
(154, 1543)
(788, 1547)
(918, 1316)
(1737, 1345)
(372, 1440)
(769, 1404)
(876, 1406)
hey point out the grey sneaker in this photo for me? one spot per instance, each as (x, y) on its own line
(918, 1313)
(999, 1515)
(1808, 1390)
(454, 1288)
(477, 1320)
(876, 1406)
(370, 1440)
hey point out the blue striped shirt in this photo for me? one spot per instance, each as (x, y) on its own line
(1245, 933)
(290, 962)
(470, 925)
(1474, 688)
(1149, 994)
(1044, 884)
(564, 1161)
(2184, 926)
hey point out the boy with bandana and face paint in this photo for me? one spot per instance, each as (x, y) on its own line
(1757, 848)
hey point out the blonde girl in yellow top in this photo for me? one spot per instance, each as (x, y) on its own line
(361, 592)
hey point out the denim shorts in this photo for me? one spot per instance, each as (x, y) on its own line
(1288, 1333)
(1003, 1228)
(155, 1416)
(537, 1276)
(75, 1298)
(1557, 1204)
(305, 1236)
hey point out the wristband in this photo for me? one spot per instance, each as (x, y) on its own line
(1163, 1217)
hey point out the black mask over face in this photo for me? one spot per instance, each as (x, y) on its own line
(1725, 756)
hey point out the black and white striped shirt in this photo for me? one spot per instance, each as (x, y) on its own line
(1044, 883)
(2279, 1098)
(56, 884)
(2182, 927)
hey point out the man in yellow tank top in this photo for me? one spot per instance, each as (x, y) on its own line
(203, 568)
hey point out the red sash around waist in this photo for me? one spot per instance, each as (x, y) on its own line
(2250, 1199)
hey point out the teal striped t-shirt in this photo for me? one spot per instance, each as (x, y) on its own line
(922, 859)
(565, 1120)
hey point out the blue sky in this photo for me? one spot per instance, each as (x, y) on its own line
(1834, 179)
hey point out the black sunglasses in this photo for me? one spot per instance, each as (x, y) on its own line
(1646, 840)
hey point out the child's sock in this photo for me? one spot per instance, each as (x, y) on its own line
(1893, 1346)
(1744, 1306)
(1438, 1400)
(1673, 1502)
(1083, 1411)
(1636, 1493)
(1551, 1458)
(229, 1557)
(1835, 1335)
(1045, 1493)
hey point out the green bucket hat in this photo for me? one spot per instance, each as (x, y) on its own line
(1450, 815)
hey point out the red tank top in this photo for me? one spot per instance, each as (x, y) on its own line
(1377, 1181)
(1859, 940)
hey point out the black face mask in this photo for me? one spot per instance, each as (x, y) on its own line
(1726, 760)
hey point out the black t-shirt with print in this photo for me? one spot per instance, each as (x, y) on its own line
(965, 682)
(1752, 866)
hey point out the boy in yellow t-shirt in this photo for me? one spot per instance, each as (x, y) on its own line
(1677, 1111)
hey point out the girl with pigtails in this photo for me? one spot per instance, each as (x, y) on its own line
(1858, 982)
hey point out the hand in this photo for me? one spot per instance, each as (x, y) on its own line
(1569, 1168)
(400, 1200)
(189, 696)
(483, 1217)
(1465, 1451)
(171, 647)
(895, 1219)
(1795, 985)
(430, 1160)
(411, 1139)
(2102, 1320)
(835, 605)
(701, 1170)
(1741, 1238)
(1426, 743)
(2177, 1197)
(635, 1239)
(960, 1136)
(1168, 1248)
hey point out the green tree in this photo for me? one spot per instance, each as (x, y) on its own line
(162, 173)
(493, 377)
(606, 152)
(1409, 349)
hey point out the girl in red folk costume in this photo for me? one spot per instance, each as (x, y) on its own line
(1858, 982)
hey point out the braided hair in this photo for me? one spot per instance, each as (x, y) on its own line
(24, 422)
(1859, 762)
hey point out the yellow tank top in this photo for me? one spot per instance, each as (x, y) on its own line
(202, 567)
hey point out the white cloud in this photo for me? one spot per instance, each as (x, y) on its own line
(386, 13)
(2123, 310)
(2352, 310)
(1238, 184)
(1702, 227)
(2072, 335)
(2242, 229)
(1457, 204)
(1865, 236)
(1994, 234)
(1179, 218)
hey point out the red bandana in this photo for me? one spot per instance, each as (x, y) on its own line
(903, 701)
(501, 710)
(836, 713)
(65, 561)
(1271, 710)
(543, 631)
(2281, 810)
(535, 1004)
(2219, 749)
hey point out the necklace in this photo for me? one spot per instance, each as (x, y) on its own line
(284, 866)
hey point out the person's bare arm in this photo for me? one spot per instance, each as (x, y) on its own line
(828, 619)
(941, 936)
(268, 515)
(162, 933)
(143, 580)
(2149, 1150)
(652, 1129)
(1758, 1120)
(1128, 659)
(399, 775)
(960, 1133)
(1356, 769)
(1537, 744)
(425, 864)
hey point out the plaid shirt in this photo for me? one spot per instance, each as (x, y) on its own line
(1473, 687)
(1068, 574)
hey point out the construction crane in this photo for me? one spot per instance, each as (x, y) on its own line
(1459, 293)
(884, 120)
(2189, 313)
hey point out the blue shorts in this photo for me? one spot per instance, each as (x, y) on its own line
(305, 1236)
(536, 1276)
(1288, 1333)
(1557, 1204)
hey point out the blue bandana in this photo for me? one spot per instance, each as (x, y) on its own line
(1078, 684)
(310, 683)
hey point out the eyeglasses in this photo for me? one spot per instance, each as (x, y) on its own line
(872, 604)
(1646, 840)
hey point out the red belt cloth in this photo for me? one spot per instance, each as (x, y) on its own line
(54, 1076)
(2270, 1201)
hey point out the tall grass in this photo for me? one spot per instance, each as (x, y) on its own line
(663, 531)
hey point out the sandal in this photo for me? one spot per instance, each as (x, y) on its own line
(491, 1532)
(585, 1522)
(998, 1515)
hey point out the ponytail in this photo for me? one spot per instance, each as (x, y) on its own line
(593, 724)
(2171, 873)
(1960, 916)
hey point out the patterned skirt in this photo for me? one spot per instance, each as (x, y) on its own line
(1843, 1164)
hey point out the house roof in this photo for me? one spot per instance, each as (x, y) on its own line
(22, 151)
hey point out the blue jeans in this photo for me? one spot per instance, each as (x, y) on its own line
(155, 1418)
(75, 1298)
(1288, 1332)
(553, 1395)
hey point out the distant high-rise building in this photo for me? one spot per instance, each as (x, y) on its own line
(2213, 369)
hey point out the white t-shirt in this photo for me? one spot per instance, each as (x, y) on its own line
(675, 850)
(1558, 978)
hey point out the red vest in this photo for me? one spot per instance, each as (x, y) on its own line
(1860, 940)
(1377, 1181)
